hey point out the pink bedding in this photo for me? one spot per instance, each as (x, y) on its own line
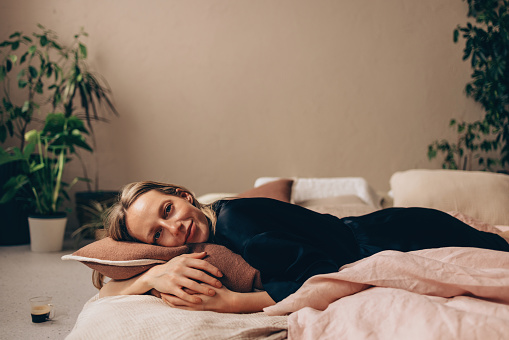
(446, 293)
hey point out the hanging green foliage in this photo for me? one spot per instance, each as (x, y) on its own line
(487, 49)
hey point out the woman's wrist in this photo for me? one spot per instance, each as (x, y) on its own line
(146, 280)
(237, 302)
(251, 302)
(134, 286)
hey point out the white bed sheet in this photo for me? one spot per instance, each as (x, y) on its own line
(147, 317)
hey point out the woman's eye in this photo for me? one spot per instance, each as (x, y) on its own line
(157, 235)
(167, 210)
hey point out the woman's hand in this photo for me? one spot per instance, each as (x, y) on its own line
(177, 277)
(223, 301)
(184, 275)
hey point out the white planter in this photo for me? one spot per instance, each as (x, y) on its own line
(47, 232)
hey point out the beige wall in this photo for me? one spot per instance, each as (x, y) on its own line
(215, 93)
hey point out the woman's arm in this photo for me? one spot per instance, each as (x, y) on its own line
(184, 272)
(253, 302)
(224, 301)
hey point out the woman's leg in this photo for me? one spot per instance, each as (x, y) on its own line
(407, 229)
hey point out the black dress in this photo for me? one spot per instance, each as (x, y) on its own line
(288, 244)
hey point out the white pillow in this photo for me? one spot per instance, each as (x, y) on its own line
(313, 188)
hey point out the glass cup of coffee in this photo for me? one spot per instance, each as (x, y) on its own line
(41, 309)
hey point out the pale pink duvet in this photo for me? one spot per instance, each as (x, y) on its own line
(446, 293)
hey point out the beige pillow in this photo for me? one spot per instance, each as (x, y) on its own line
(482, 195)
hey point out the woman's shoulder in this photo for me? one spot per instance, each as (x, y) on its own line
(259, 206)
(249, 203)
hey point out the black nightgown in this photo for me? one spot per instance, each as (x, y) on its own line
(288, 244)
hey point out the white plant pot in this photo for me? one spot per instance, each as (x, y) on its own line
(47, 232)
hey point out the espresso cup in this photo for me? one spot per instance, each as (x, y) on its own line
(41, 309)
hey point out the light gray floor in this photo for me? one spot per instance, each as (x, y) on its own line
(25, 274)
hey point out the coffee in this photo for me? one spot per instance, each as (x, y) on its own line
(40, 313)
(41, 309)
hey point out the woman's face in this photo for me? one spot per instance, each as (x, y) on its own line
(165, 220)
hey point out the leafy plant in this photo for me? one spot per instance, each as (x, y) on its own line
(94, 211)
(487, 47)
(470, 145)
(51, 77)
(42, 161)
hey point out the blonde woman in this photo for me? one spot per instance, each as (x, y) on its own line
(287, 243)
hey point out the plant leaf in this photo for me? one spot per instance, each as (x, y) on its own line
(83, 50)
(12, 186)
(3, 73)
(33, 71)
(43, 40)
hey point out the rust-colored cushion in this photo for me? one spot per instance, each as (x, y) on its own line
(280, 189)
(123, 260)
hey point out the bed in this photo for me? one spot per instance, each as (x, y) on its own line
(446, 293)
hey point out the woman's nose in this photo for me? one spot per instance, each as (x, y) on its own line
(173, 226)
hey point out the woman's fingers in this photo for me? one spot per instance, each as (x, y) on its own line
(222, 301)
(155, 293)
(191, 287)
(190, 278)
(193, 267)
(190, 291)
(195, 260)
(176, 302)
(199, 255)
(185, 276)
(183, 296)
(199, 275)
(183, 286)
(175, 289)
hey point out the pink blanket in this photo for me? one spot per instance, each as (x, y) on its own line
(446, 293)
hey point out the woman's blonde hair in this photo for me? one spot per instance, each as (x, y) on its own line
(114, 220)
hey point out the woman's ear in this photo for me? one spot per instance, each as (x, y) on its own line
(185, 195)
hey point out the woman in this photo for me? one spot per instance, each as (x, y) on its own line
(287, 243)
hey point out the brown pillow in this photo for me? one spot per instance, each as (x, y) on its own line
(123, 260)
(280, 189)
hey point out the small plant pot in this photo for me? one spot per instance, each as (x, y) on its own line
(47, 232)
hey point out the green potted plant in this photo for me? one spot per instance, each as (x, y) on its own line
(487, 48)
(39, 183)
(40, 75)
(94, 212)
(90, 205)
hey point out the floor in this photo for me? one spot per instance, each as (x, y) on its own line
(25, 274)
